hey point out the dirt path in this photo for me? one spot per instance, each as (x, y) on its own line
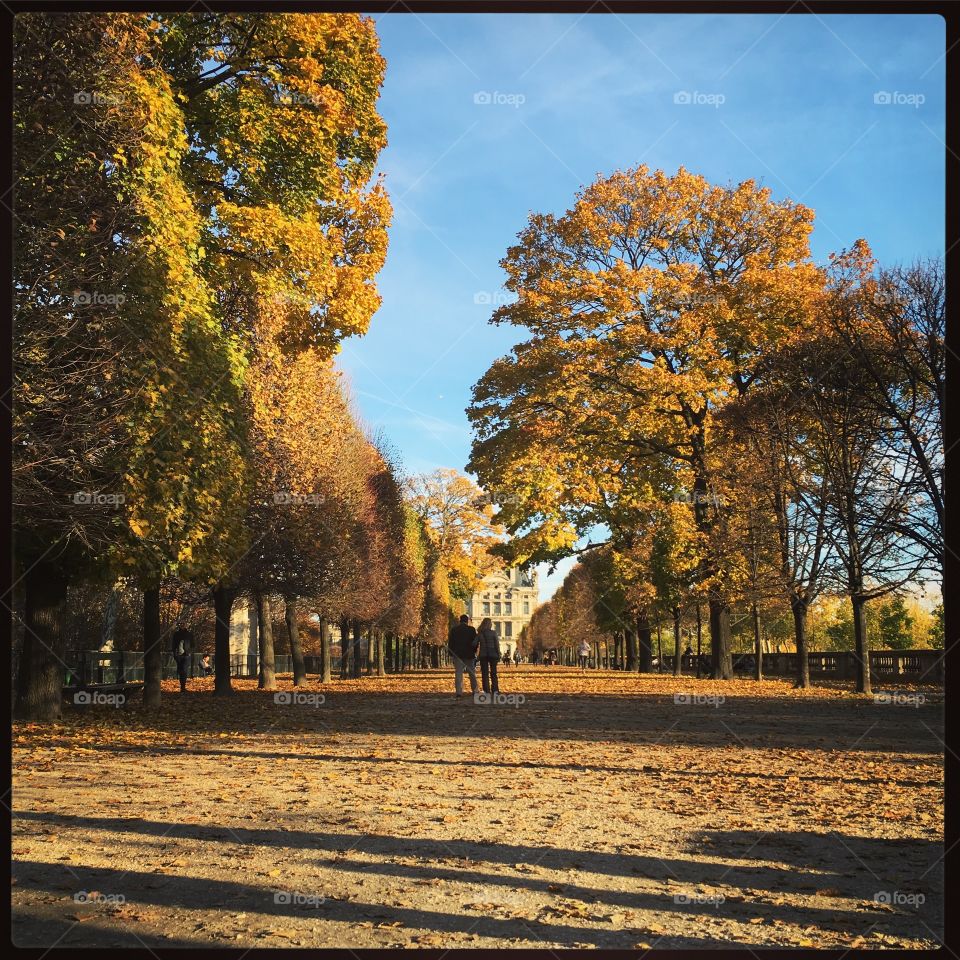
(598, 812)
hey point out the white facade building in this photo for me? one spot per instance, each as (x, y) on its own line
(508, 598)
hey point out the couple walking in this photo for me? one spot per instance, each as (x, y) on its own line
(465, 645)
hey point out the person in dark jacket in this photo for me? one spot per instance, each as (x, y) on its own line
(462, 644)
(489, 653)
(182, 647)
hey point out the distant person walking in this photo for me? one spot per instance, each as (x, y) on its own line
(583, 651)
(462, 644)
(489, 654)
(182, 648)
(516, 658)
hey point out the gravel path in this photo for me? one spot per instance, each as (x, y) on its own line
(598, 812)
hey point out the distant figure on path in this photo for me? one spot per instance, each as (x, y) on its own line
(462, 644)
(489, 653)
(516, 658)
(584, 653)
(182, 646)
(205, 666)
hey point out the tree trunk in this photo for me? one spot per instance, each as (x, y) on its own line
(434, 656)
(40, 676)
(268, 670)
(344, 648)
(325, 676)
(381, 667)
(861, 653)
(659, 650)
(296, 650)
(757, 644)
(720, 639)
(677, 642)
(357, 651)
(799, 608)
(109, 621)
(372, 636)
(644, 644)
(699, 639)
(152, 648)
(631, 643)
(222, 607)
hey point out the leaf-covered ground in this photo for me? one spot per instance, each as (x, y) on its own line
(602, 811)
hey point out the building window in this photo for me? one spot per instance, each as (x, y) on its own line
(508, 609)
(496, 609)
(496, 627)
(526, 607)
(486, 596)
(508, 629)
(486, 607)
(496, 596)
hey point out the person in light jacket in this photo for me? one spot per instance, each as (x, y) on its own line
(489, 653)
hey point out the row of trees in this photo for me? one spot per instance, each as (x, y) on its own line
(198, 227)
(715, 416)
(581, 610)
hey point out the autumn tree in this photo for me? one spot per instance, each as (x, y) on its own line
(650, 303)
(868, 494)
(459, 519)
(144, 388)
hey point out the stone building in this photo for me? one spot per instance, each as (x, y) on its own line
(508, 598)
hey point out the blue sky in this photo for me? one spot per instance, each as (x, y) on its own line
(491, 117)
